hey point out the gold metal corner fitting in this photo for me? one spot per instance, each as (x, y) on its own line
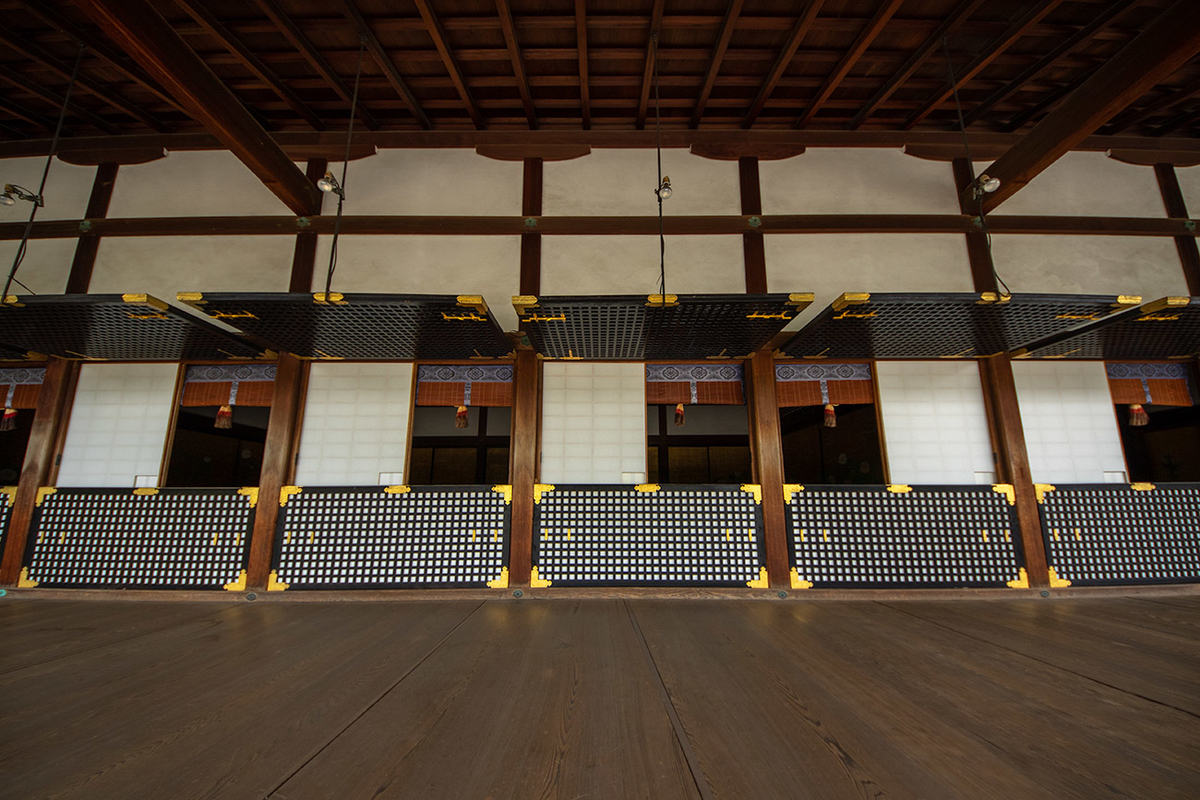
(523, 302)
(193, 298)
(334, 299)
(899, 488)
(145, 300)
(647, 487)
(396, 490)
(754, 489)
(1057, 582)
(238, 584)
(790, 489)
(251, 493)
(1164, 304)
(11, 493)
(1022, 581)
(501, 582)
(662, 301)
(145, 491)
(286, 492)
(1041, 490)
(506, 490)
(798, 582)
(761, 582)
(474, 301)
(801, 299)
(540, 489)
(537, 583)
(851, 299)
(1142, 487)
(274, 584)
(988, 298)
(23, 582)
(43, 493)
(1126, 300)
(1007, 490)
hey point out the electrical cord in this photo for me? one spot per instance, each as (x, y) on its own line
(337, 225)
(662, 239)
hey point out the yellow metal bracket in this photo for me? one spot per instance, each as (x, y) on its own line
(1165, 304)
(798, 582)
(899, 488)
(238, 584)
(286, 492)
(1022, 581)
(334, 299)
(250, 492)
(463, 317)
(523, 302)
(801, 299)
(1057, 582)
(760, 315)
(506, 490)
(1007, 490)
(10, 492)
(537, 318)
(754, 489)
(24, 582)
(790, 489)
(145, 491)
(761, 582)
(1041, 490)
(540, 489)
(43, 493)
(1127, 300)
(851, 299)
(537, 583)
(501, 582)
(662, 301)
(144, 300)
(1142, 487)
(474, 301)
(396, 489)
(647, 487)
(274, 584)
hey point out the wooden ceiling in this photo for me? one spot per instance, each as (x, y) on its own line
(516, 65)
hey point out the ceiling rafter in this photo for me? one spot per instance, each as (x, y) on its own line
(1051, 99)
(868, 34)
(284, 24)
(514, 51)
(20, 112)
(231, 43)
(384, 61)
(803, 23)
(1084, 35)
(718, 55)
(56, 100)
(651, 57)
(1165, 103)
(1021, 26)
(581, 40)
(1177, 122)
(438, 34)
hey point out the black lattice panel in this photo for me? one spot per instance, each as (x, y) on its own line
(143, 539)
(625, 536)
(7, 495)
(1167, 328)
(1112, 534)
(363, 327)
(941, 325)
(903, 537)
(393, 537)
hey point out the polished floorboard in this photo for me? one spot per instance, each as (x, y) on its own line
(573, 699)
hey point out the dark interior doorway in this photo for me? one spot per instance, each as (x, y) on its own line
(713, 445)
(445, 455)
(1165, 451)
(849, 453)
(12, 447)
(204, 456)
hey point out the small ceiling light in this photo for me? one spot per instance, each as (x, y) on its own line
(988, 183)
(328, 183)
(13, 193)
(664, 190)
(7, 199)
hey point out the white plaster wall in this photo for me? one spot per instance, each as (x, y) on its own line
(831, 264)
(355, 424)
(1086, 184)
(593, 423)
(453, 182)
(584, 265)
(856, 180)
(118, 424)
(165, 265)
(623, 182)
(934, 421)
(1070, 426)
(1145, 265)
(68, 188)
(197, 183)
(486, 265)
(45, 268)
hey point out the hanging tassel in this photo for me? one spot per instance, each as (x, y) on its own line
(9, 421)
(460, 418)
(830, 416)
(1138, 416)
(224, 418)
(679, 415)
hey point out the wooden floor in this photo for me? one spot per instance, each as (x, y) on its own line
(1089, 698)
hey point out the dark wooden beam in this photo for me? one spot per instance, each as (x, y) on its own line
(518, 65)
(1049, 100)
(550, 152)
(868, 34)
(524, 449)
(978, 252)
(56, 100)
(242, 53)
(278, 465)
(438, 34)
(88, 245)
(1188, 117)
(581, 44)
(22, 113)
(531, 241)
(58, 388)
(304, 257)
(146, 36)
(385, 62)
(718, 55)
(1189, 255)
(298, 40)
(786, 54)
(1164, 46)
(21, 45)
(1081, 37)
(1020, 27)
(766, 447)
(910, 66)
(753, 248)
(1168, 101)
(652, 43)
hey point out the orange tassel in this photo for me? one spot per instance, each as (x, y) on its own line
(460, 418)
(830, 416)
(224, 418)
(9, 421)
(1138, 416)
(679, 414)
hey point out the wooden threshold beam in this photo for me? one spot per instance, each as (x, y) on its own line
(146, 36)
(652, 44)
(1163, 47)
(384, 61)
(718, 55)
(518, 65)
(442, 43)
(786, 54)
(581, 40)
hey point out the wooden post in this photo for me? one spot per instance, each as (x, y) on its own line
(278, 466)
(1010, 456)
(89, 243)
(304, 257)
(767, 451)
(40, 455)
(752, 242)
(1189, 255)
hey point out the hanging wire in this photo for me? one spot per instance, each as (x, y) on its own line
(337, 225)
(40, 197)
(662, 239)
(977, 195)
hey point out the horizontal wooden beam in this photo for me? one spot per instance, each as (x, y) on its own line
(727, 225)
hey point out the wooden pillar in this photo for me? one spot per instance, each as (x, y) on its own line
(1010, 456)
(767, 451)
(49, 422)
(305, 255)
(278, 466)
(89, 243)
(1189, 255)
(531, 243)
(752, 243)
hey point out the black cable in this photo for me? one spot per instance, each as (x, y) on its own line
(337, 225)
(662, 239)
(962, 127)
(40, 197)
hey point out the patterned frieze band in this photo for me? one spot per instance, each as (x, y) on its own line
(465, 374)
(693, 374)
(1145, 372)
(230, 373)
(824, 373)
(20, 376)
